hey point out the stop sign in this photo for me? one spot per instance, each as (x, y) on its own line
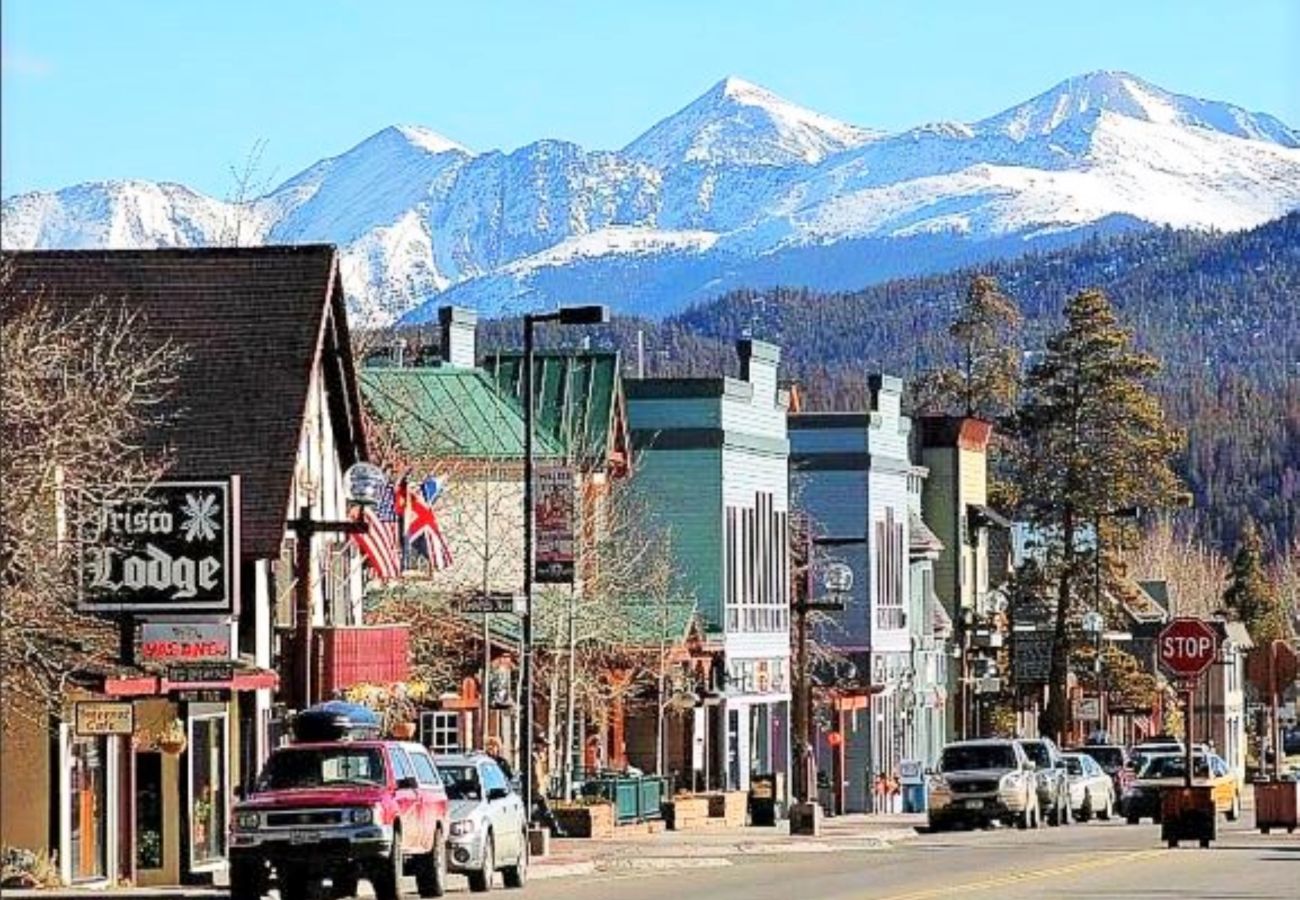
(1187, 647)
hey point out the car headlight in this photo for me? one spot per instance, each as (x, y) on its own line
(363, 815)
(247, 821)
(463, 827)
(1007, 781)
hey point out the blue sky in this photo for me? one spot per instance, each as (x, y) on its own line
(182, 91)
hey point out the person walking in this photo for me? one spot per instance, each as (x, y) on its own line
(492, 746)
(541, 811)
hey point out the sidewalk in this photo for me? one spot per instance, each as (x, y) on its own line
(700, 849)
(643, 850)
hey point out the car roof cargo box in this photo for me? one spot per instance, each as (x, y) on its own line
(335, 720)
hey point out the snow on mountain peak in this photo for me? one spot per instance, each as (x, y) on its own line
(428, 139)
(1084, 98)
(736, 122)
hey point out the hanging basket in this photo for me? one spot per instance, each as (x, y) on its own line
(404, 731)
(172, 745)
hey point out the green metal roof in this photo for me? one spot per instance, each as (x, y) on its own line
(578, 393)
(447, 411)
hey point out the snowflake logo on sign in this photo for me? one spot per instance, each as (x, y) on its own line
(199, 520)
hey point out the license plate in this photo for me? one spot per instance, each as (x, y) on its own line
(974, 804)
(301, 837)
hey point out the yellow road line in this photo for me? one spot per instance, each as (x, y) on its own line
(1020, 877)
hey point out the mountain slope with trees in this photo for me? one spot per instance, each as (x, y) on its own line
(1219, 310)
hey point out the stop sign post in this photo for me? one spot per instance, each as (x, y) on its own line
(1186, 648)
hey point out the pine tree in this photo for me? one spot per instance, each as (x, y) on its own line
(1091, 439)
(1251, 596)
(982, 379)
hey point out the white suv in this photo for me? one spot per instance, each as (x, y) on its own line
(979, 782)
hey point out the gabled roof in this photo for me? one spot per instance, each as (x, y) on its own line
(254, 323)
(449, 412)
(579, 400)
(921, 540)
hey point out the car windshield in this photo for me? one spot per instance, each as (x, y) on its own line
(977, 756)
(309, 767)
(1172, 767)
(1074, 765)
(1037, 751)
(461, 781)
(1111, 759)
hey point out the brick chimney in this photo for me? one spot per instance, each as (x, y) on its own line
(459, 328)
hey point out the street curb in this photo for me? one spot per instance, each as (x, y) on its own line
(540, 872)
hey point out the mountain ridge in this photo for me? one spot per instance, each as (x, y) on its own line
(737, 188)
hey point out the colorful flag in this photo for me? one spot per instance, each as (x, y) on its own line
(380, 541)
(422, 528)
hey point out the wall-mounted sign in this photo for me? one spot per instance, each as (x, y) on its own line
(176, 642)
(201, 673)
(1088, 709)
(94, 718)
(168, 548)
(553, 511)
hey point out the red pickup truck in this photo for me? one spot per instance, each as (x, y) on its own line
(339, 811)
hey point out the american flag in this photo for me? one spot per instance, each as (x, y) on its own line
(381, 541)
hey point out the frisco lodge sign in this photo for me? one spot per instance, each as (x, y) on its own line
(166, 548)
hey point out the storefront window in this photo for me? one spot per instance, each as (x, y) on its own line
(208, 789)
(88, 807)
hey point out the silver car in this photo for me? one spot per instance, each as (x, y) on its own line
(1092, 793)
(489, 831)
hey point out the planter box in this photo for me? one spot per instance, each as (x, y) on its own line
(686, 813)
(1187, 814)
(586, 821)
(1277, 805)
(730, 807)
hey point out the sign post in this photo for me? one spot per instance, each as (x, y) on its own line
(1187, 647)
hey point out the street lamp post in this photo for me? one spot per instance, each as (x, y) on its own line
(565, 315)
(365, 483)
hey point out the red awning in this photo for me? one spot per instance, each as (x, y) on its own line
(153, 685)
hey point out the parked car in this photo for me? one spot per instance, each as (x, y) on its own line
(1091, 791)
(979, 782)
(1053, 789)
(1114, 761)
(341, 810)
(1159, 770)
(489, 830)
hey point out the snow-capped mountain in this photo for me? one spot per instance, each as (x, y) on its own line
(739, 188)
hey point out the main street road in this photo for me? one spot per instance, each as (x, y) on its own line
(1098, 860)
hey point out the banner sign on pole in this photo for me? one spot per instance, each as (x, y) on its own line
(166, 547)
(553, 509)
(1032, 657)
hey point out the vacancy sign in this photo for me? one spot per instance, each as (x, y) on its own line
(1187, 647)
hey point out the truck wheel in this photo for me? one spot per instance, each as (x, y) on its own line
(481, 881)
(387, 878)
(516, 876)
(247, 879)
(344, 886)
(431, 869)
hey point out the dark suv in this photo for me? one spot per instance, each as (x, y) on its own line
(1052, 778)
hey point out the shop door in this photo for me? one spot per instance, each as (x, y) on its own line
(209, 789)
